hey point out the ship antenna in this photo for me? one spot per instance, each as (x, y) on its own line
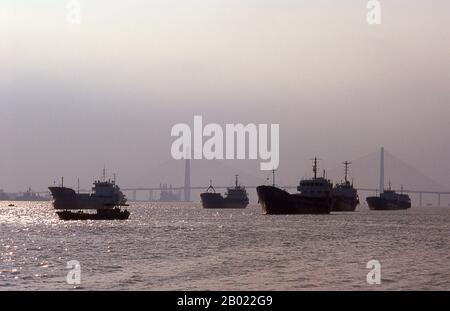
(62, 181)
(273, 177)
(78, 184)
(104, 174)
(114, 176)
(236, 180)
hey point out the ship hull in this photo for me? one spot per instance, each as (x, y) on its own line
(344, 204)
(68, 199)
(216, 201)
(381, 204)
(114, 214)
(275, 201)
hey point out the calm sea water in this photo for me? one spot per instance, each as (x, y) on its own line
(183, 247)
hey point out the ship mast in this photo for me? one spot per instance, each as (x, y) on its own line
(236, 180)
(382, 170)
(211, 186)
(347, 164)
(315, 166)
(273, 177)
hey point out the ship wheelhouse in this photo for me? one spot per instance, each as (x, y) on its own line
(108, 191)
(237, 192)
(391, 195)
(318, 187)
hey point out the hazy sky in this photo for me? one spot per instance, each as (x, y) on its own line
(74, 98)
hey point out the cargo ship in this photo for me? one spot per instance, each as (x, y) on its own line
(389, 200)
(235, 197)
(345, 195)
(105, 199)
(314, 197)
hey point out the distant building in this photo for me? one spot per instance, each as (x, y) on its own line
(29, 195)
(3, 196)
(168, 194)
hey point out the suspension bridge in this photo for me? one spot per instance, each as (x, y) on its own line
(365, 170)
(364, 174)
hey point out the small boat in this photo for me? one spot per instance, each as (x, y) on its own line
(108, 214)
(11, 205)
